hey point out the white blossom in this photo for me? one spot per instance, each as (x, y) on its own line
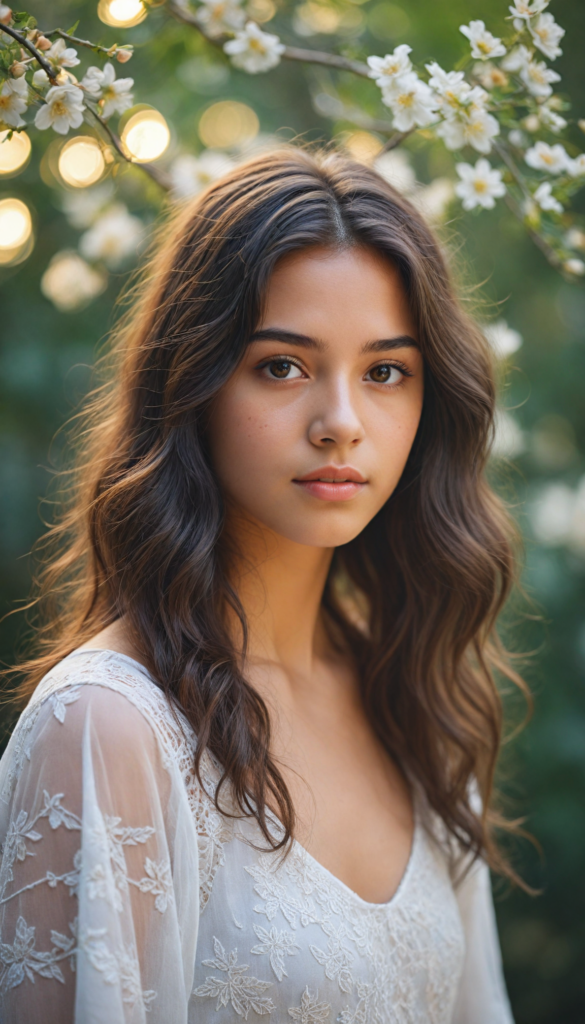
(5, 14)
(13, 97)
(191, 174)
(83, 205)
(575, 238)
(543, 157)
(483, 44)
(550, 119)
(411, 101)
(476, 129)
(537, 78)
(547, 35)
(452, 91)
(480, 185)
(114, 236)
(63, 109)
(40, 79)
(61, 55)
(113, 94)
(434, 200)
(386, 69)
(545, 198)
(509, 440)
(253, 50)
(576, 166)
(558, 516)
(70, 283)
(516, 59)
(575, 266)
(527, 9)
(217, 17)
(517, 138)
(490, 75)
(396, 169)
(504, 340)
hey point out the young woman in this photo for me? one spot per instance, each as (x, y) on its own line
(253, 777)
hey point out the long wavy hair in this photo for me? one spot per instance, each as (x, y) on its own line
(141, 534)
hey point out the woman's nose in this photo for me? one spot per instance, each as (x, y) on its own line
(335, 421)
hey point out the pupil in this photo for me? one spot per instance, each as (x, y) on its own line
(382, 373)
(281, 368)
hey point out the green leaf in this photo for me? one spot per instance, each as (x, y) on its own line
(71, 30)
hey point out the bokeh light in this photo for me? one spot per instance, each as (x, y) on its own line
(70, 283)
(146, 136)
(121, 13)
(15, 231)
(227, 124)
(363, 146)
(81, 161)
(14, 152)
(261, 10)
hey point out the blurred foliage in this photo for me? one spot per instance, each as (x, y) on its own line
(46, 359)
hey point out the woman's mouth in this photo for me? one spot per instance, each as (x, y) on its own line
(332, 483)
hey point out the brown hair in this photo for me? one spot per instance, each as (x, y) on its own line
(142, 533)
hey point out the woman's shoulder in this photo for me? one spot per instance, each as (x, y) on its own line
(124, 701)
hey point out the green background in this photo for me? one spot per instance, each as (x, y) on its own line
(45, 361)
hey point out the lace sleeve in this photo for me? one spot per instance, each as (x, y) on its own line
(482, 997)
(98, 879)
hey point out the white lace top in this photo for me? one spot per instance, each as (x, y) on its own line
(125, 897)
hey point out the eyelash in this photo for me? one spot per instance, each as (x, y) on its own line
(396, 364)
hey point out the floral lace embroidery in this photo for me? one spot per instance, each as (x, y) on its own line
(118, 966)
(243, 992)
(310, 1011)
(276, 945)
(176, 738)
(21, 959)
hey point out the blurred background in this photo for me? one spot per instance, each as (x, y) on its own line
(56, 310)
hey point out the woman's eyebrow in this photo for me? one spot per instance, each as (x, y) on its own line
(288, 338)
(386, 344)
(305, 341)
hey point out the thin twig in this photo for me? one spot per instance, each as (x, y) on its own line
(513, 169)
(328, 60)
(157, 175)
(395, 140)
(540, 242)
(109, 51)
(50, 70)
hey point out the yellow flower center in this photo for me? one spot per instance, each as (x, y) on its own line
(484, 47)
(480, 185)
(257, 44)
(406, 99)
(59, 109)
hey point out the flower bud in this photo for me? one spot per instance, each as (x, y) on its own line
(33, 35)
(43, 43)
(5, 14)
(17, 69)
(123, 55)
(574, 266)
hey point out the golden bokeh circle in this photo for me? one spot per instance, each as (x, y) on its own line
(227, 124)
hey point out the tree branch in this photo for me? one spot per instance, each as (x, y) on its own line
(328, 60)
(46, 66)
(109, 51)
(156, 173)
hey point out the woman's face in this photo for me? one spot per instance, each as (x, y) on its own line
(310, 435)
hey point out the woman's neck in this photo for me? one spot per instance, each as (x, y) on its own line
(280, 584)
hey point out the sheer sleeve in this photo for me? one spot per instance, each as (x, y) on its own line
(482, 997)
(99, 871)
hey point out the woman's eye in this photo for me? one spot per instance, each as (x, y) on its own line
(385, 374)
(281, 369)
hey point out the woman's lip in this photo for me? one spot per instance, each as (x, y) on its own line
(333, 474)
(340, 490)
